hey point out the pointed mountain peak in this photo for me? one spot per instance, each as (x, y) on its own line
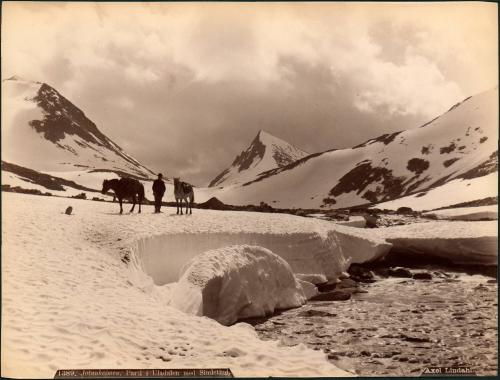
(263, 134)
(266, 152)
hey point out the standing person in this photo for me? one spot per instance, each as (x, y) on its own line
(158, 191)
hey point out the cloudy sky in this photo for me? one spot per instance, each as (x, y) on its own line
(186, 87)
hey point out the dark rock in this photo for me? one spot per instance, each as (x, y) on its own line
(493, 281)
(322, 335)
(316, 313)
(347, 283)
(371, 221)
(361, 274)
(413, 338)
(365, 353)
(404, 210)
(358, 291)
(327, 286)
(80, 196)
(399, 272)
(336, 295)
(213, 204)
(68, 210)
(441, 274)
(384, 272)
(422, 276)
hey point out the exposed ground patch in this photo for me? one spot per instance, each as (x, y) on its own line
(417, 165)
(363, 175)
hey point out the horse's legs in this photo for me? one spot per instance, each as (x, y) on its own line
(177, 204)
(181, 206)
(133, 200)
(140, 201)
(121, 208)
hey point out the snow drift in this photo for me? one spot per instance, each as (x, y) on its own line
(237, 282)
(464, 243)
(163, 256)
(466, 213)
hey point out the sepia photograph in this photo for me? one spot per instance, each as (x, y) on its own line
(249, 189)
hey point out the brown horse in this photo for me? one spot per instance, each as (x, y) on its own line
(125, 188)
(183, 191)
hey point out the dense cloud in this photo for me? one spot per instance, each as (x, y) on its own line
(185, 87)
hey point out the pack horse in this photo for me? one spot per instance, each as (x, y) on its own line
(125, 188)
(183, 191)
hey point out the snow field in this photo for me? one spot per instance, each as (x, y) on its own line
(70, 302)
(453, 192)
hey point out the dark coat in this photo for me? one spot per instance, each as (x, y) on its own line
(158, 187)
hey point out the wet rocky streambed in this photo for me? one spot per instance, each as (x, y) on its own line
(397, 321)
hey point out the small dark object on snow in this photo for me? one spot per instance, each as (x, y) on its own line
(68, 210)
(80, 196)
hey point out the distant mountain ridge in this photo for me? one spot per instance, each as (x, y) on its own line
(461, 144)
(266, 152)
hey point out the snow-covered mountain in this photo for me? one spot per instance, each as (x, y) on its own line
(266, 152)
(461, 144)
(44, 132)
